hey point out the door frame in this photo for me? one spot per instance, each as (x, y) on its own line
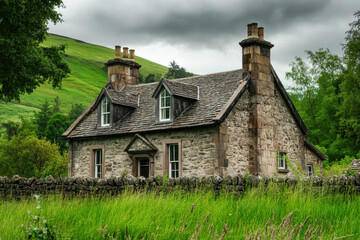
(135, 168)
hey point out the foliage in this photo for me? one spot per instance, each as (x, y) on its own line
(182, 216)
(175, 71)
(41, 118)
(56, 106)
(38, 227)
(55, 127)
(24, 64)
(337, 168)
(153, 78)
(28, 156)
(11, 128)
(76, 110)
(326, 93)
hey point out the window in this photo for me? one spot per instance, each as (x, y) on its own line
(144, 167)
(98, 163)
(173, 150)
(282, 161)
(105, 112)
(164, 101)
(309, 169)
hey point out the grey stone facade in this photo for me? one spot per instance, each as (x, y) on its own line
(225, 123)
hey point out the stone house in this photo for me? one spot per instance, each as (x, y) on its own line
(221, 123)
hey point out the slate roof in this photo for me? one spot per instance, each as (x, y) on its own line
(122, 97)
(178, 88)
(315, 150)
(217, 93)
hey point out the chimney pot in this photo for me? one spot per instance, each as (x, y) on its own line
(132, 54)
(261, 33)
(125, 52)
(117, 51)
(253, 30)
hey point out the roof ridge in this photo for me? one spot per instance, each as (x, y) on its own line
(205, 75)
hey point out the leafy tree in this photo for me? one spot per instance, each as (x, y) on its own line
(315, 90)
(350, 86)
(150, 78)
(24, 64)
(11, 128)
(57, 125)
(41, 118)
(175, 71)
(76, 110)
(29, 156)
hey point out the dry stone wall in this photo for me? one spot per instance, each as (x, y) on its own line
(18, 188)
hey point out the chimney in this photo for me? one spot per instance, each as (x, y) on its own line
(123, 71)
(256, 62)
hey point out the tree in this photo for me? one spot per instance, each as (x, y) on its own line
(11, 128)
(29, 156)
(150, 78)
(56, 126)
(56, 106)
(316, 96)
(41, 119)
(175, 71)
(350, 86)
(76, 110)
(24, 64)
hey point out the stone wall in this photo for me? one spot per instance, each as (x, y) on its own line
(17, 187)
(198, 152)
(313, 159)
(279, 133)
(237, 137)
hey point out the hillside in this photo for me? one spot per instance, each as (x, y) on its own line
(88, 76)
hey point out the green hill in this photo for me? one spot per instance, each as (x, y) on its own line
(88, 76)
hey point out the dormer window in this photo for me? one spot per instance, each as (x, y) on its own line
(105, 112)
(164, 107)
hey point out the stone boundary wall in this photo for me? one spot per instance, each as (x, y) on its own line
(18, 187)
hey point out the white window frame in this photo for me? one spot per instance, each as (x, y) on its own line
(164, 94)
(309, 167)
(282, 161)
(104, 113)
(97, 153)
(176, 159)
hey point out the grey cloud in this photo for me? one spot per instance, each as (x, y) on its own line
(292, 25)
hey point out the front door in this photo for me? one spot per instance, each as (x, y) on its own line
(144, 167)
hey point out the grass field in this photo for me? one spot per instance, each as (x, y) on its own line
(191, 216)
(88, 76)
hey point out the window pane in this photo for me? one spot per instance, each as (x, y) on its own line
(171, 154)
(167, 111)
(106, 118)
(163, 115)
(108, 107)
(99, 171)
(98, 157)
(176, 157)
(167, 100)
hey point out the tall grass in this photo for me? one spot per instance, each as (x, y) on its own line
(201, 215)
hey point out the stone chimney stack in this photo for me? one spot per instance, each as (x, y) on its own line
(123, 71)
(256, 61)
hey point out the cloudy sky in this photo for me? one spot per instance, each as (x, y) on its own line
(203, 36)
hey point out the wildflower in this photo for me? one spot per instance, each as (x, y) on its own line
(230, 214)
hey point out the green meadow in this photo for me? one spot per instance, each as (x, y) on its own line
(88, 76)
(259, 212)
